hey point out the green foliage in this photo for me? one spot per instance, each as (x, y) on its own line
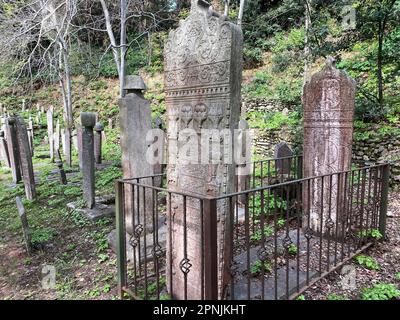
(397, 276)
(293, 249)
(268, 231)
(272, 121)
(280, 223)
(42, 236)
(367, 262)
(270, 204)
(258, 267)
(301, 297)
(381, 291)
(370, 233)
(334, 297)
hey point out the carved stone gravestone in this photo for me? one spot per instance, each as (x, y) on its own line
(25, 158)
(88, 121)
(25, 225)
(50, 132)
(13, 149)
(284, 164)
(203, 67)
(135, 123)
(328, 132)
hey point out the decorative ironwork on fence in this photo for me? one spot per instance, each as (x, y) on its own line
(283, 237)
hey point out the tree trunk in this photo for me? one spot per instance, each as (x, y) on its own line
(123, 48)
(379, 66)
(307, 49)
(241, 12)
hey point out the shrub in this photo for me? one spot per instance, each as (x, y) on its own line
(259, 266)
(381, 291)
(367, 262)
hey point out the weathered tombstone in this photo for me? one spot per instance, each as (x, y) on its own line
(63, 176)
(50, 132)
(79, 145)
(25, 158)
(135, 123)
(203, 68)
(30, 135)
(25, 225)
(57, 135)
(67, 146)
(99, 128)
(4, 150)
(88, 121)
(328, 131)
(158, 167)
(284, 163)
(243, 178)
(110, 124)
(13, 149)
(39, 118)
(23, 105)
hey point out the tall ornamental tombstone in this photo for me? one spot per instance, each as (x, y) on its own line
(88, 121)
(135, 123)
(25, 158)
(4, 150)
(13, 149)
(50, 132)
(98, 137)
(203, 72)
(328, 133)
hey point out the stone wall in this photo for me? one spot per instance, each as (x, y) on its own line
(377, 148)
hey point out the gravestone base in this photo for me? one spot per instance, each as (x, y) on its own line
(102, 209)
(162, 238)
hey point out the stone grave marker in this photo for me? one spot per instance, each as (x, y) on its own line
(25, 158)
(98, 137)
(328, 132)
(4, 150)
(88, 121)
(13, 149)
(283, 166)
(25, 225)
(50, 132)
(203, 72)
(135, 122)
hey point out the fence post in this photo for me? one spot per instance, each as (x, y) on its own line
(121, 241)
(384, 199)
(210, 250)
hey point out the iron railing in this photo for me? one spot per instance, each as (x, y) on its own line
(286, 232)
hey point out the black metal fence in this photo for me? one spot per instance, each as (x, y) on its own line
(281, 236)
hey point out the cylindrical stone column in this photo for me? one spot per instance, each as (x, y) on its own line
(88, 122)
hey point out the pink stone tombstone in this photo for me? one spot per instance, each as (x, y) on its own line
(328, 133)
(203, 67)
